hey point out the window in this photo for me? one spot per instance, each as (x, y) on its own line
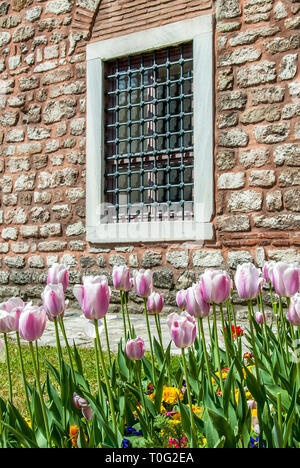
(149, 135)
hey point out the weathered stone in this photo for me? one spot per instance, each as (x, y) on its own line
(77, 126)
(86, 261)
(207, 258)
(57, 76)
(274, 200)
(6, 184)
(75, 229)
(225, 79)
(240, 56)
(256, 157)
(58, 7)
(10, 22)
(57, 110)
(262, 178)
(280, 11)
(36, 261)
(29, 231)
(273, 133)
(178, 258)
(38, 133)
(117, 260)
(292, 23)
(291, 110)
(163, 278)
(294, 89)
(15, 135)
(151, 258)
(282, 44)
(236, 258)
(288, 154)
(9, 234)
(264, 72)
(39, 214)
(14, 62)
(267, 95)
(23, 33)
(278, 222)
(52, 246)
(25, 182)
(233, 223)
(288, 67)
(18, 164)
(15, 216)
(225, 160)
(20, 247)
(14, 262)
(9, 119)
(286, 255)
(227, 9)
(231, 180)
(233, 138)
(256, 115)
(61, 211)
(34, 14)
(250, 36)
(291, 199)
(28, 83)
(243, 201)
(4, 6)
(46, 66)
(32, 114)
(227, 120)
(232, 100)
(5, 38)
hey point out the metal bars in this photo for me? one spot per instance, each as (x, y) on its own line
(149, 136)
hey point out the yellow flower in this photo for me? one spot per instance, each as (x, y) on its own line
(170, 395)
(27, 420)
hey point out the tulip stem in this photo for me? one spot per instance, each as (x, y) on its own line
(40, 394)
(58, 346)
(127, 314)
(8, 368)
(138, 365)
(217, 349)
(123, 316)
(110, 396)
(98, 374)
(225, 335)
(150, 340)
(200, 323)
(63, 330)
(24, 376)
(107, 341)
(265, 322)
(253, 341)
(194, 437)
(283, 327)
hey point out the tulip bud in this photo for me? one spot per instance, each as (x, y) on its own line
(182, 329)
(58, 274)
(32, 323)
(155, 303)
(53, 299)
(294, 310)
(93, 296)
(216, 286)
(121, 278)
(195, 303)
(248, 281)
(82, 404)
(285, 278)
(135, 349)
(267, 271)
(181, 299)
(143, 282)
(259, 318)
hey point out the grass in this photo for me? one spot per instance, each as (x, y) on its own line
(50, 354)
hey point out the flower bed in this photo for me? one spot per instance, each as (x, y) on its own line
(218, 397)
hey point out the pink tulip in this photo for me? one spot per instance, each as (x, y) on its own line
(121, 278)
(181, 299)
(6, 322)
(216, 285)
(196, 305)
(32, 323)
(58, 274)
(259, 318)
(155, 303)
(294, 310)
(53, 299)
(93, 296)
(14, 307)
(182, 329)
(267, 271)
(143, 282)
(285, 278)
(135, 349)
(82, 404)
(248, 281)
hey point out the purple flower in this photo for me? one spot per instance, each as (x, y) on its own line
(247, 281)
(196, 305)
(285, 278)
(216, 285)
(93, 296)
(182, 329)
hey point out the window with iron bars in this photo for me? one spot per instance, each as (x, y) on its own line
(148, 137)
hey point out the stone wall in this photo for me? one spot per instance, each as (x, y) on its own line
(42, 139)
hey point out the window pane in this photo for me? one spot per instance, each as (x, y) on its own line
(149, 135)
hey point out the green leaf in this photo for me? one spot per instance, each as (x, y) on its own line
(218, 427)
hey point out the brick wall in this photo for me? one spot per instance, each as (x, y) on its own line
(42, 139)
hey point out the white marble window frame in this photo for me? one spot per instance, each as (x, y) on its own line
(200, 31)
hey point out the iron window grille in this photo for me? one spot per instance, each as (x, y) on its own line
(148, 137)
